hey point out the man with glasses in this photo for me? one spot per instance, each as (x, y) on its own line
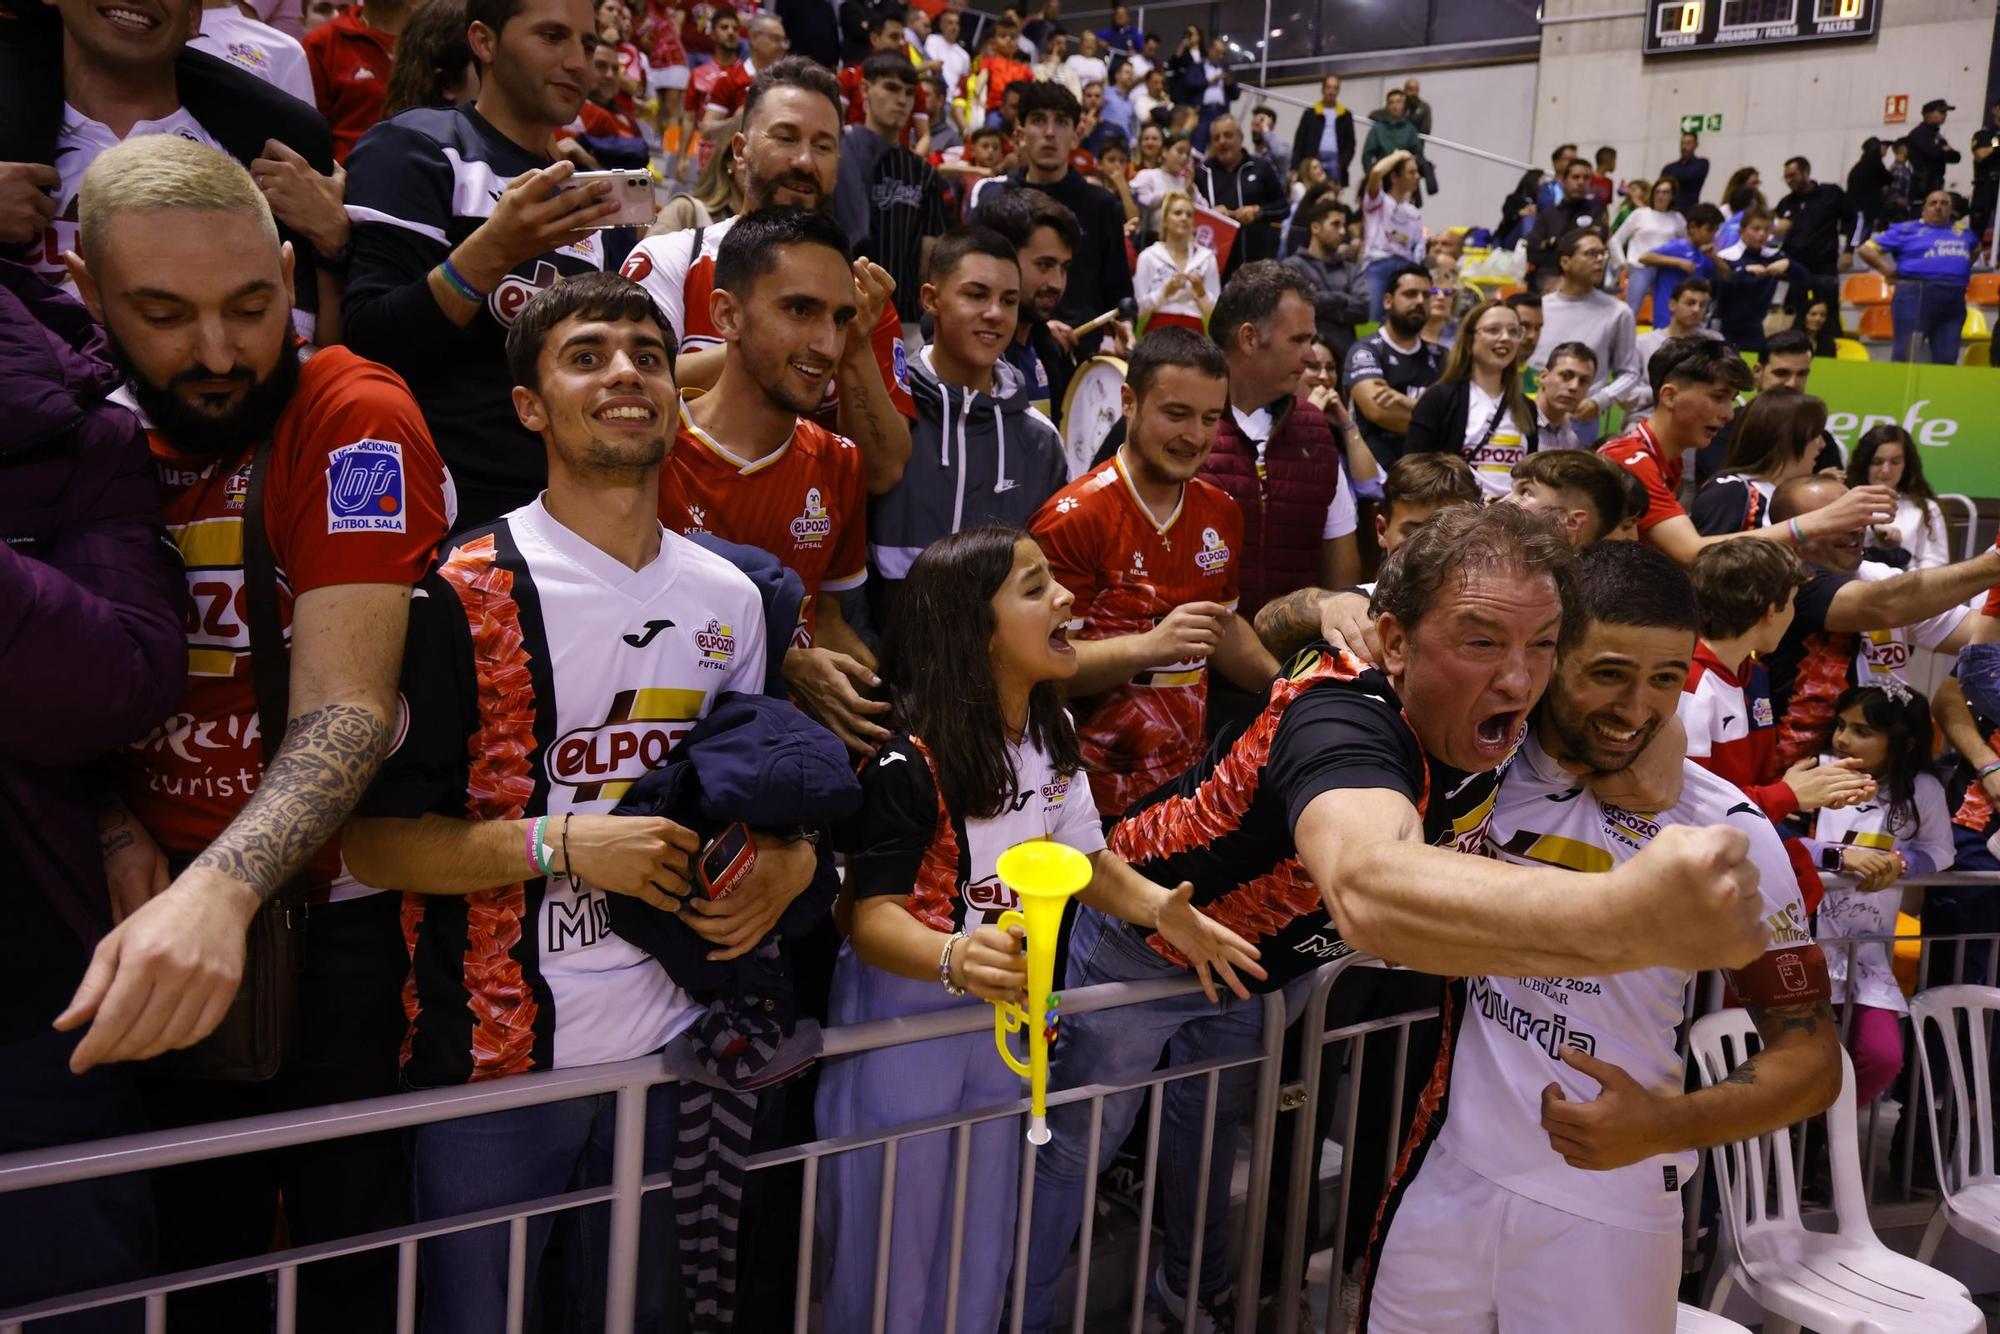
(1578, 310)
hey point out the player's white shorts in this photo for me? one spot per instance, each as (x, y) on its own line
(1461, 1254)
(666, 76)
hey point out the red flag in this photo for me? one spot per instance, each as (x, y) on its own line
(1216, 231)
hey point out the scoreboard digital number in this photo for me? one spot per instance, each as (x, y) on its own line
(1683, 27)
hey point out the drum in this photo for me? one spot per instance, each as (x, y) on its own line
(1090, 408)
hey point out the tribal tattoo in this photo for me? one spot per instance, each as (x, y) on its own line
(326, 762)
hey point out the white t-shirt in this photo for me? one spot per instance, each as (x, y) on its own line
(1342, 517)
(230, 34)
(1881, 654)
(1492, 454)
(1088, 69)
(1213, 95)
(1513, 1027)
(1849, 911)
(1928, 548)
(78, 143)
(953, 60)
(1391, 228)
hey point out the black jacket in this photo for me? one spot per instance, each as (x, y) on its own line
(1437, 422)
(1312, 127)
(1929, 156)
(1253, 180)
(1099, 275)
(1556, 221)
(236, 107)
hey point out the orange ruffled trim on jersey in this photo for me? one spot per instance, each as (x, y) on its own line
(930, 900)
(1821, 677)
(500, 782)
(1976, 811)
(1264, 905)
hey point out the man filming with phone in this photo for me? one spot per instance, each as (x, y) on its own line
(460, 217)
(556, 656)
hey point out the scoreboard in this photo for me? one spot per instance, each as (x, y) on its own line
(1683, 27)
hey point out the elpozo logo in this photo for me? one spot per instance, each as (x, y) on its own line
(814, 525)
(1213, 558)
(716, 643)
(638, 731)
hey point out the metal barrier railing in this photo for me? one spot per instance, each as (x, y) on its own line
(630, 1082)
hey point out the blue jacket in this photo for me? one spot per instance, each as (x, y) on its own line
(91, 651)
(758, 760)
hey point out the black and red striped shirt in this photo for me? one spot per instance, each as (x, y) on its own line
(1226, 826)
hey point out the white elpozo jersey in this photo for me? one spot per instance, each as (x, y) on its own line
(1849, 910)
(1505, 1051)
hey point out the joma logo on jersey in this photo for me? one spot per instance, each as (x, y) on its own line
(717, 643)
(1213, 558)
(635, 736)
(1551, 1035)
(814, 525)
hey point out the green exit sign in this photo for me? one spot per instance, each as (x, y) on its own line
(1698, 123)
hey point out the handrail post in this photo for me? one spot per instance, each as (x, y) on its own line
(1263, 1132)
(628, 1171)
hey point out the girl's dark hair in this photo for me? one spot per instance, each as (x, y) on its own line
(940, 673)
(1778, 427)
(1825, 342)
(1913, 484)
(432, 53)
(1904, 717)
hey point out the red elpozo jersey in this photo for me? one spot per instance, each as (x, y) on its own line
(355, 493)
(806, 504)
(1129, 571)
(678, 272)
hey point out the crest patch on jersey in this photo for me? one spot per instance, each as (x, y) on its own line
(364, 488)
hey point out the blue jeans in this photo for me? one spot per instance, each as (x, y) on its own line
(1934, 312)
(1377, 273)
(64, 1239)
(1638, 282)
(1114, 1046)
(480, 1162)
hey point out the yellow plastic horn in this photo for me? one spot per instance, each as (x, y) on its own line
(1044, 875)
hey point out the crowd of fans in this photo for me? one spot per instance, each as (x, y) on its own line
(520, 640)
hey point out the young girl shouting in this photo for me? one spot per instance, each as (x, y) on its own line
(984, 757)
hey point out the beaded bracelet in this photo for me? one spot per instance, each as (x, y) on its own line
(944, 965)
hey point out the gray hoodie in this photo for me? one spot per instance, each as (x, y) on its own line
(974, 458)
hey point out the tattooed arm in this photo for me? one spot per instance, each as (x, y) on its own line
(1289, 623)
(868, 414)
(1796, 1075)
(164, 977)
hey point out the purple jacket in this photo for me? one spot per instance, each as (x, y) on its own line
(92, 654)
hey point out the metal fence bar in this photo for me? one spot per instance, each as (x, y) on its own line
(808, 1207)
(288, 1300)
(1086, 1233)
(960, 1176)
(1191, 1298)
(156, 1314)
(1023, 1219)
(1291, 1272)
(884, 1234)
(517, 1273)
(406, 1288)
(628, 1168)
(1263, 1133)
(1155, 1102)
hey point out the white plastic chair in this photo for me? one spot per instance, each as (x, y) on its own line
(1694, 1320)
(1971, 1203)
(1842, 1282)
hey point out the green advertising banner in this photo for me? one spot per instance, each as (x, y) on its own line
(1952, 412)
